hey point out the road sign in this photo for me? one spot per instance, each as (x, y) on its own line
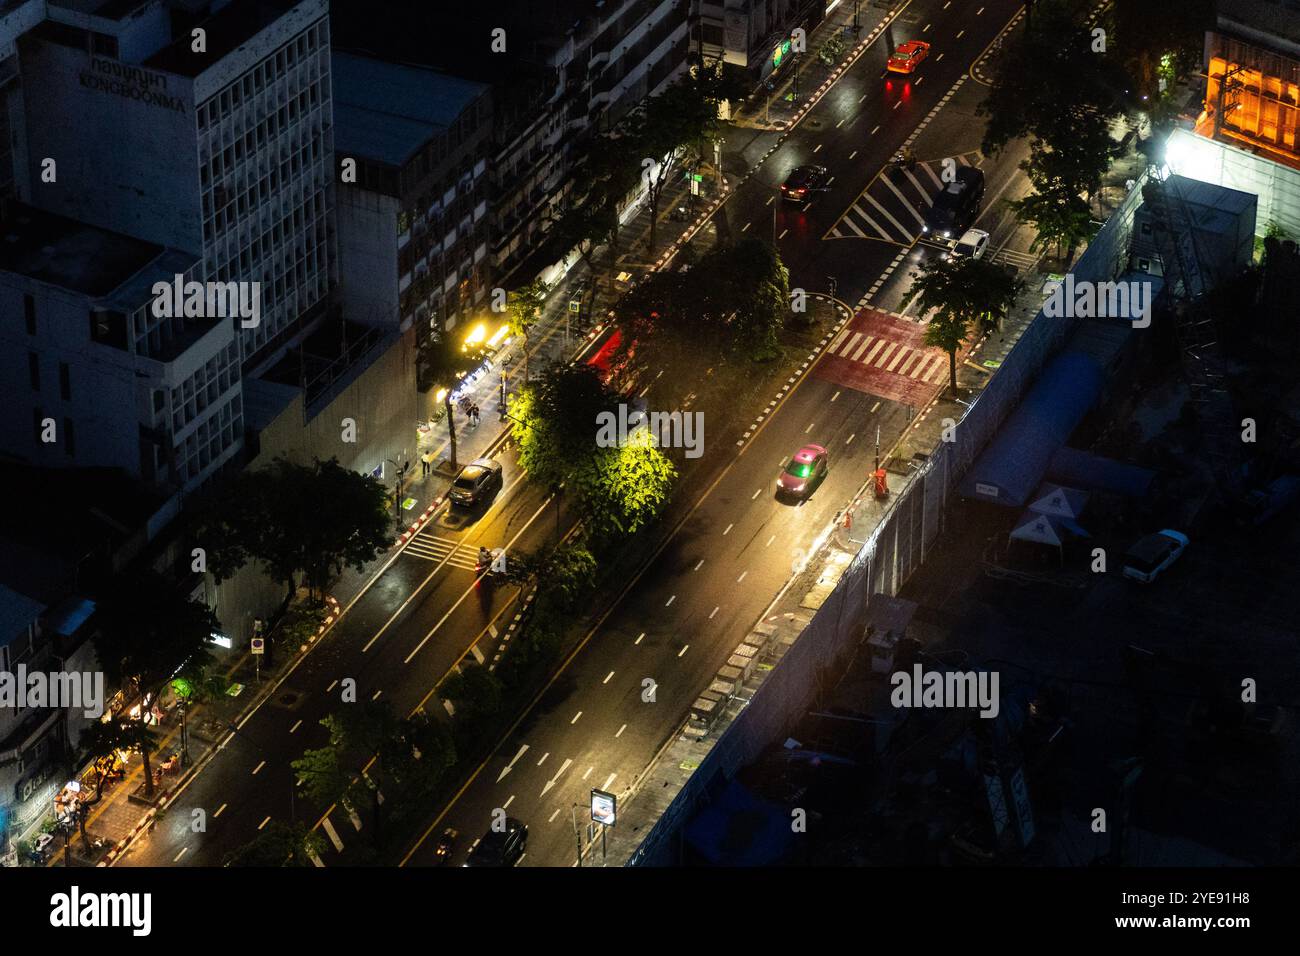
(603, 807)
(257, 645)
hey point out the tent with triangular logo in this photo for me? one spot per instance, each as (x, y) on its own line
(1046, 529)
(1059, 501)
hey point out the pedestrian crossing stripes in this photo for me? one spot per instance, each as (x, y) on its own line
(920, 364)
(893, 206)
(432, 548)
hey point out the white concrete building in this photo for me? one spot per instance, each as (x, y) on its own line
(202, 126)
(92, 378)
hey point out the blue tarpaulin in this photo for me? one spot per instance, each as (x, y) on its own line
(740, 829)
(1013, 465)
(1083, 469)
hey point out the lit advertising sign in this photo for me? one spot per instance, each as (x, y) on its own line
(603, 807)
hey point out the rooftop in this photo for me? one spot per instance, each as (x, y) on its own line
(70, 254)
(17, 612)
(106, 9)
(227, 29)
(388, 111)
(1277, 18)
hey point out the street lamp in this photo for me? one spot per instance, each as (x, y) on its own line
(399, 471)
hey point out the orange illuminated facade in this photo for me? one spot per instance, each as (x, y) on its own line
(1252, 68)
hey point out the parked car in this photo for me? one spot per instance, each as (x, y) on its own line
(500, 847)
(1151, 555)
(803, 473)
(907, 56)
(804, 180)
(476, 482)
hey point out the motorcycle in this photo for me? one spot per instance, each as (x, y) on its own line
(446, 843)
(903, 159)
(483, 567)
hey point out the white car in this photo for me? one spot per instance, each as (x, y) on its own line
(973, 244)
(1152, 554)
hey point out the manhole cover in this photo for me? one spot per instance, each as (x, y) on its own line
(814, 123)
(288, 699)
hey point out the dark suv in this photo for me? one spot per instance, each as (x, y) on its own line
(500, 848)
(956, 205)
(476, 482)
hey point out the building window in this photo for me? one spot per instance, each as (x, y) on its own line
(34, 370)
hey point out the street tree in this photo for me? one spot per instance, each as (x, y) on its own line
(148, 627)
(279, 844)
(1049, 78)
(555, 421)
(1059, 216)
(474, 691)
(523, 309)
(960, 293)
(678, 125)
(294, 519)
(624, 489)
(442, 363)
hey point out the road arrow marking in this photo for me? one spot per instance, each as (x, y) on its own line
(511, 765)
(550, 783)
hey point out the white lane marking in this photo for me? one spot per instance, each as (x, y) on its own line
(729, 527)
(607, 677)
(700, 565)
(506, 805)
(258, 767)
(220, 809)
(683, 650)
(641, 636)
(873, 408)
(543, 760)
(264, 822)
(835, 396)
(608, 781)
(671, 600)
(295, 726)
(756, 494)
(742, 576)
(332, 834)
(769, 541)
(849, 440)
(588, 773)
(620, 731)
(184, 850)
(552, 817)
(575, 718)
(715, 611)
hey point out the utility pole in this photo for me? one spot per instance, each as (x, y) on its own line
(1228, 74)
(577, 833)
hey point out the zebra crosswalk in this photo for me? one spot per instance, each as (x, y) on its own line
(432, 548)
(882, 354)
(893, 206)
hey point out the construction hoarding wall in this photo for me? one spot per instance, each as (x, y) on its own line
(895, 548)
(1276, 185)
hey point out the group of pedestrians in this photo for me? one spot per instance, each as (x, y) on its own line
(471, 411)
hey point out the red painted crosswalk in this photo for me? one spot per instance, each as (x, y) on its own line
(883, 355)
